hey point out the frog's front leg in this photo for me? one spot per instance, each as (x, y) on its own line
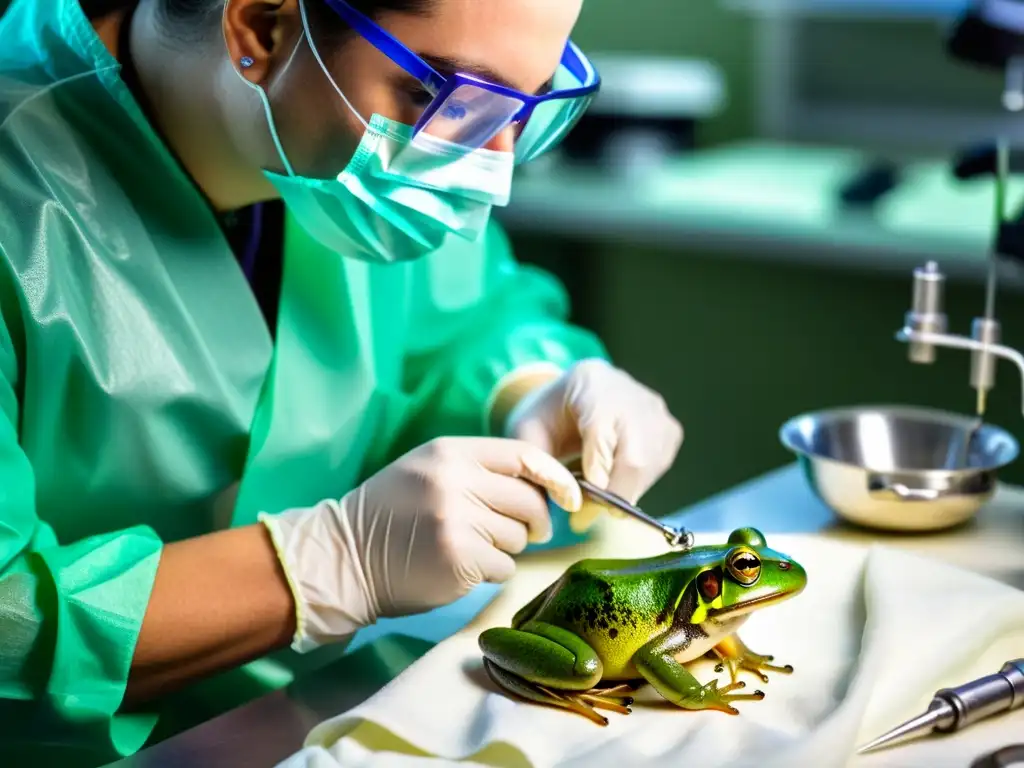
(734, 653)
(550, 665)
(656, 662)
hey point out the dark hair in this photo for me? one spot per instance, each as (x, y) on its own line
(189, 17)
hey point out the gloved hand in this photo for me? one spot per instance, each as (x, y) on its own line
(419, 534)
(624, 431)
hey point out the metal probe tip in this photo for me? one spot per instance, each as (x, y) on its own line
(939, 712)
(676, 537)
(679, 537)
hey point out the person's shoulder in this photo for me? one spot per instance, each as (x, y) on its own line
(48, 169)
(18, 89)
(35, 119)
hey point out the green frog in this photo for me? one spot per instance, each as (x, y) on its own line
(606, 627)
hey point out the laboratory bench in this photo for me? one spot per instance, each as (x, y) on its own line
(273, 727)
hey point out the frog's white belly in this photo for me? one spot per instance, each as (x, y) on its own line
(716, 632)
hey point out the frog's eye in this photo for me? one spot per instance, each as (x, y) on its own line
(710, 585)
(745, 567)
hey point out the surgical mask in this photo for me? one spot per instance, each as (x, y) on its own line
(400, 196)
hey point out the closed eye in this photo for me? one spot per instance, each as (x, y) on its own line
(415, 93)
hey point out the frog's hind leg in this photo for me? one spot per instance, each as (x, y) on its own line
(550, 665)
(532, 692)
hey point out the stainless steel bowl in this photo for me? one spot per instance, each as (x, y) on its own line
(899, 467)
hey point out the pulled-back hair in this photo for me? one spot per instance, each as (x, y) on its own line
(190, 18)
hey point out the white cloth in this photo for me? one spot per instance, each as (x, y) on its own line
(875, 633)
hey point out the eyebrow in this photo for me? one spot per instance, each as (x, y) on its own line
(447, 65)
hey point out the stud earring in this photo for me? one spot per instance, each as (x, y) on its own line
(246, 62)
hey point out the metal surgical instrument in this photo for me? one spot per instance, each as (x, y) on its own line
(676, 537)
(955, 708)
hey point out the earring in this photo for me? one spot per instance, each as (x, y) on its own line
(246, 62)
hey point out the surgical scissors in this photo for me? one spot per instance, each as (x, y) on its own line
(676, 537)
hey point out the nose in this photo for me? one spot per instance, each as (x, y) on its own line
(503, 141)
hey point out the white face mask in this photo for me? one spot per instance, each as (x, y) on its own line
(400, 196)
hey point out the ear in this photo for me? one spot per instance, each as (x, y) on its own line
(255, 30)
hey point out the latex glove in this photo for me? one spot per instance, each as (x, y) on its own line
(419, 534)
(622, 430)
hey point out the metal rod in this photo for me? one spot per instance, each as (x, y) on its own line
(990, 290)
(962, 342)
(676, 536)
(1002, 173)
(983, 367)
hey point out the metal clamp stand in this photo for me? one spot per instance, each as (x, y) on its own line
(989, 34)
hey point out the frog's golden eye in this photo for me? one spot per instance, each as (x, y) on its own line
(745, 567)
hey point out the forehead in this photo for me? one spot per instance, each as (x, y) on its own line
(519, 40)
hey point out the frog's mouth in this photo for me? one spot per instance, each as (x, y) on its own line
(749, 605)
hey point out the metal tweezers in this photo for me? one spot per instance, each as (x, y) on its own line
(676, 537)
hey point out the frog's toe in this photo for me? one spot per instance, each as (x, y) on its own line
(755, 696)
(758, 665)
(524, 689)
(584, 704)
(754, 663)
(621, 691)
(722, 699)
(604, 702)
(732, 687)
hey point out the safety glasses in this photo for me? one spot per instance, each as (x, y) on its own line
(469, 111)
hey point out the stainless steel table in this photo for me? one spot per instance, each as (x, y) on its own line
(270, 729)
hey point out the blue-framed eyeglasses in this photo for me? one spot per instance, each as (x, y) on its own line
(470, 111)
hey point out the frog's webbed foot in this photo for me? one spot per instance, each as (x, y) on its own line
(585, 703)
(736, 656)
(657, 663)
(713, 697)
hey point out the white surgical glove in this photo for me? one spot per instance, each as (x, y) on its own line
(419, 534)
(623, 430)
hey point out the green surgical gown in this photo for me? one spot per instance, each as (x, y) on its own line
(142, 398)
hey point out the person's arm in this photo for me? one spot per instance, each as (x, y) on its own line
(82, 621)
(218, 601)
(485, 331)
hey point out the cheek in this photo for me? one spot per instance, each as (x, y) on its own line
(382, 98)
(318, 131)
(367, 78)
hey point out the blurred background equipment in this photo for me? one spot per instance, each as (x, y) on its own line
(648, 110)
(990, 33)
(750, 192)
(768, 236)
(899, 468)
